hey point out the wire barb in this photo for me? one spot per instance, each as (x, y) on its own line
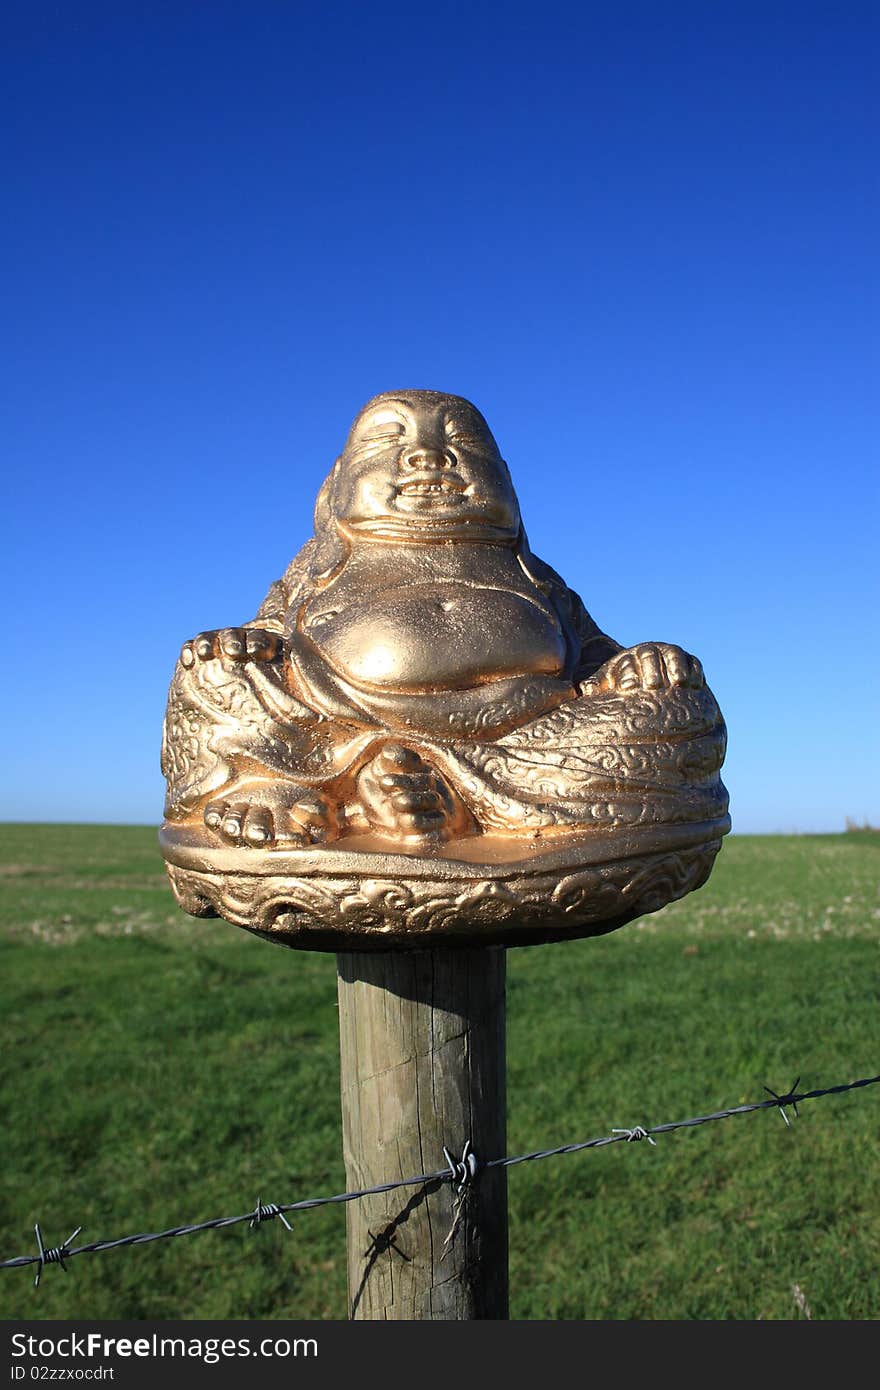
(462, 1171)
(265, 1211)
(639, 1132)
(56, 1255)
(790, 1098)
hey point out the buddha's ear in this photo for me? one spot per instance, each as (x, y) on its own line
(509, 479)
(330, 548)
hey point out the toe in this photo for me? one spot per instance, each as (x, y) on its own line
(261, 645)
(205, 645)
(233, 643)
(311, 811)
(233, 820)
(213, 816)
(258, 826)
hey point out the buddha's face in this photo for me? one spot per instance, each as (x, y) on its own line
(419, 465)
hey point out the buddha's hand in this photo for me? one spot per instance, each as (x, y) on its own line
(233, 644)
(403, 795)
(649, 666)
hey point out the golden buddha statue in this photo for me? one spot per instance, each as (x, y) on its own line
(419, 685)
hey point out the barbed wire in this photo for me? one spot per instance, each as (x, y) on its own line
(461, 1173)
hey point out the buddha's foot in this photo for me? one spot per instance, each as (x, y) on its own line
(259, 815)
(401, 794)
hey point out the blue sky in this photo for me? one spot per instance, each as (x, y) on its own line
(641, 238)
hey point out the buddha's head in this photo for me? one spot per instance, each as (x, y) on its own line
(420, 466)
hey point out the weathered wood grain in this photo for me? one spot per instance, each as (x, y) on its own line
(423, 1065)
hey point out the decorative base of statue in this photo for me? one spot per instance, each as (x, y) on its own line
(357, 895)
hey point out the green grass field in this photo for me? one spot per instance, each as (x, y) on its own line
(158, 1070)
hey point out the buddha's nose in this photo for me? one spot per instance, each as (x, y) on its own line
(425, 458)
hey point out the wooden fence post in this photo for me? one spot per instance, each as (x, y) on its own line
(422, 1038)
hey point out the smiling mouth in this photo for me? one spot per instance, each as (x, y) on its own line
(447, 488)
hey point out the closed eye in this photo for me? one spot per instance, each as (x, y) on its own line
(379, 436)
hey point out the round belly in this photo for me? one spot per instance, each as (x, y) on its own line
(438, 637)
